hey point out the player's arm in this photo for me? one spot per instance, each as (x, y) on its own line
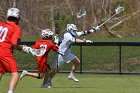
(94, 29)
(17, 46)
(84, 40)
(55, 47)
(85, 32)
(15, 40)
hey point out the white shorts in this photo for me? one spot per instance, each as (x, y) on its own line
(61, 59)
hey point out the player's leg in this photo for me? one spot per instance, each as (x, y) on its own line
(39, 75)
(13, 82)
(75, 64)
(47, 80)
(58, 62)
(0, 76)
(1, 71)
(9, 65)
(41, 71)
(46, 76)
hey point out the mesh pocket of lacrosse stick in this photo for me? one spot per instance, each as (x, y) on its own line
(81, 13)
(38, 52)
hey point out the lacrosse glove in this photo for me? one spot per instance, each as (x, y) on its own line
(87, 41)
(96, 28)
(56, 39)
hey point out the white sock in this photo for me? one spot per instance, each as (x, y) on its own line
(10, 92)
(72, 73)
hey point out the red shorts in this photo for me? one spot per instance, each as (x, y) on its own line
(7, 63)
(42, 66)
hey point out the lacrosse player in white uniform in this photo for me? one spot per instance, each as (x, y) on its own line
(64, 52)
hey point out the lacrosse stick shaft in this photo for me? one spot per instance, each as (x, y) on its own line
(107, 20)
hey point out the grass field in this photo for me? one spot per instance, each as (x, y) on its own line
(89, 83)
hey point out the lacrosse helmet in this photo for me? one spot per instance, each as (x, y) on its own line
(47, 33)
(13, 12)
(72, 28)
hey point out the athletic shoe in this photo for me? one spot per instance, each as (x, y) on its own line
(48, 84)
(72, 77)
(44, 86)
(24, 72)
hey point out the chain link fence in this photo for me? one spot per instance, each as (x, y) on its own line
(99, 57)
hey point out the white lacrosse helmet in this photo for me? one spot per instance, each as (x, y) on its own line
(47, 33)
(13, 12)
(71, 27)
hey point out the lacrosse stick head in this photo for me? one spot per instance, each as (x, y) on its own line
(119, 9)
(81, 13)
(38, 52)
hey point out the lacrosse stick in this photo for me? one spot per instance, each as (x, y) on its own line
(118, 10)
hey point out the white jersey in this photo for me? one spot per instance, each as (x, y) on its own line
(66, 43)
(64, 50)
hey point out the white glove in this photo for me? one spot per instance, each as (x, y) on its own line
(96, 28)
(87, 41)
(56, 39)
(26, 49)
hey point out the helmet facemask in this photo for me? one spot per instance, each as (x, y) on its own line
(72, 28)
(47, 33)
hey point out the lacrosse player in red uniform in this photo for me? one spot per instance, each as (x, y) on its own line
(10, 34)
(46, 43)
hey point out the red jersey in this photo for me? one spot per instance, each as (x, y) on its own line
(48, 45)
(9, 35)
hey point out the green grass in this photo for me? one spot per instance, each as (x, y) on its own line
(89, 83)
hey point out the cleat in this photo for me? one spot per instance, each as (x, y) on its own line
(48, 84)
(44, 86)
(72, 77)
(24, 72)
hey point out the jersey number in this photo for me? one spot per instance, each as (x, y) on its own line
(43, 46)
(3, 33)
